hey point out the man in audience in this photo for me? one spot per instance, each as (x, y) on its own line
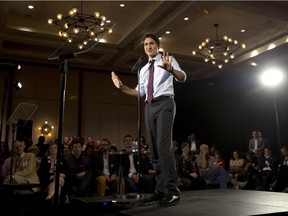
(106, 170)
(210, 169)
(78, 171)
(135, 181)
(268, 173)
(23, 167)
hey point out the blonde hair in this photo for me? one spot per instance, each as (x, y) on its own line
(202, 146)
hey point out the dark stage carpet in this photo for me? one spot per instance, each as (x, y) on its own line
(213, 202)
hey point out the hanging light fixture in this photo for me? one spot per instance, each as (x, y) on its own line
(82, 28)
(217, 51)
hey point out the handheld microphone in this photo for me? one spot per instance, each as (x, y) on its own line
(140, 63)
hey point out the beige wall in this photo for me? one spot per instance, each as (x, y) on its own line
(105, 112)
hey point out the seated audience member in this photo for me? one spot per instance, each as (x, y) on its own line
(236, 166)
(67, 142)
(35, 150)
(176, 148)
(210, 169)
(66, 152)
(28, 142)
(90, 141)
(220, 159)
(24, 167)
(193, 144)
(281, 182)
(134, 182)
(213, 150)
(42, 146)
(77, 171)
(268, 173)
(113, 148)
(188, 171)
(143, 145)
(251, 170)
(106, 170)
(47, 173)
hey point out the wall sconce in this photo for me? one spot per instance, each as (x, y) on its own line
(46, 129)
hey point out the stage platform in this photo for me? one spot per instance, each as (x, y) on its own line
(214, 202)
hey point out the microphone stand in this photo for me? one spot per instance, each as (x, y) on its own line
(139, 125)
(138, 66)
(64, 71)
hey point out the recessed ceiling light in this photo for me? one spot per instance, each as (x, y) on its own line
(122, 5)
(243, 30)
(271, 46)
(167, 32)
(102, 40)
(254, 53)
(186, 18)
(254, 64)
(160, 38)
(30, 7)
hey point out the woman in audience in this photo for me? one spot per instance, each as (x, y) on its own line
(236, 166)
(188, 171)
(251, 170)
(220, 159)
(47, 173)
(36, 151)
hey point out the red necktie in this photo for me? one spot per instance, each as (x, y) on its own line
(150, 82)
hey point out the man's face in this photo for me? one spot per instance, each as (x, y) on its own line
(255, 134)
(128, 142)
(77, 148)
(150, 47)
(18, 148)
(267, 152)
(104, 145)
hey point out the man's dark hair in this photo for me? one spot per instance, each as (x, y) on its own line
(156, 39)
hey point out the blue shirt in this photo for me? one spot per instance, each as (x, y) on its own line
(163, 80)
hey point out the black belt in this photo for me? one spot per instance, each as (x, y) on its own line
(161, 98)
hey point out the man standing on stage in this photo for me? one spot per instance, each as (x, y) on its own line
(156, 82)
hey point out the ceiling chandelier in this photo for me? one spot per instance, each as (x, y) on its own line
(80, 28)
(218, 51)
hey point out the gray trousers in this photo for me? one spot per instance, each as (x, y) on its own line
(159, 120)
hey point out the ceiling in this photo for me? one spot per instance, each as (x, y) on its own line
(26, 36)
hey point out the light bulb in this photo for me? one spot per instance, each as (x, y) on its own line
(59, 16)
(97, 14)
(50, 21)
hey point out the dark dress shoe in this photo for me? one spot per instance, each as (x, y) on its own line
(156, 196)
(170, 199)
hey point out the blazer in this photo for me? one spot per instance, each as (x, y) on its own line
(28, 169)
(113, 164)
(260, 147)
